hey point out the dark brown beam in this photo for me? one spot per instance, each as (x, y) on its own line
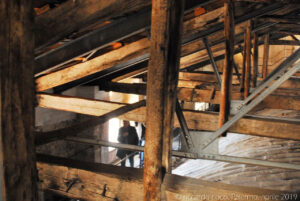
(17, 162)
(244, 63)
(228, 62)
(248, 60)
(281, 19)
(285, 42)
(46, 137)
(265, 56)
(162, 77)
(51, 26)
(255, 60)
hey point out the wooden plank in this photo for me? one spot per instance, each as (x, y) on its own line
(195, 120)
(228, 63)
(17, 160)
(248, 60)
(51, 26)
(43, 138)
(265, 56)
(107, 182)
(162, 78)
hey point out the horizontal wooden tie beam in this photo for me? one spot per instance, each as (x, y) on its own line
(106, 182)
(196, 120)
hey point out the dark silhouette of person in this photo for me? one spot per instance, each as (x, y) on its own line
(127, 135)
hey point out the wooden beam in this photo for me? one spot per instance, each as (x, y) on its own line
(255, 60)
(244, 63)
(248, 60)
(195, 120)
(106, 182)
(162, 78)
(285, 42)
(281, 19)
(17, 160)
(215, 38)
(228, 63)
(45, 137)
(95, 65)
(265, 56)
(51, 26)
(120, 28)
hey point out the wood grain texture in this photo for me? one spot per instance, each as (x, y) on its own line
(248, 60)
(195, 120)
(17, 160)
(162, 78)
(265, 56)
(73, 15)
(106, 182)
(228, 63)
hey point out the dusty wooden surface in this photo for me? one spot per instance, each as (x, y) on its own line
(18, 170)
(196, 120)
(51, 26)
(162, 79)
(105, 182)
(226, 87)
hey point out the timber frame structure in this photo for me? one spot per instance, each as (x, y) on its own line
(169, 44)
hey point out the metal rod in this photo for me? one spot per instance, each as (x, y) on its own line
(246, 109)
(186, 134)
(213, 63)
(236, 69)
(231, 159)
(240, 160)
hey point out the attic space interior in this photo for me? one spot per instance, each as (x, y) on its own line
(140, 100)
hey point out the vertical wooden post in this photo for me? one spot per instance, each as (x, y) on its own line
(248, 61)
(228, 62)
(162, 81)
(255, 60)
(265, 56)
(244, 63)
(17, 159)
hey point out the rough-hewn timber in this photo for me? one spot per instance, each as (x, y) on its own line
(51, 26)
(17, 160)
(195, 120)
(162, 78)
(228, 62)
(105, 182)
